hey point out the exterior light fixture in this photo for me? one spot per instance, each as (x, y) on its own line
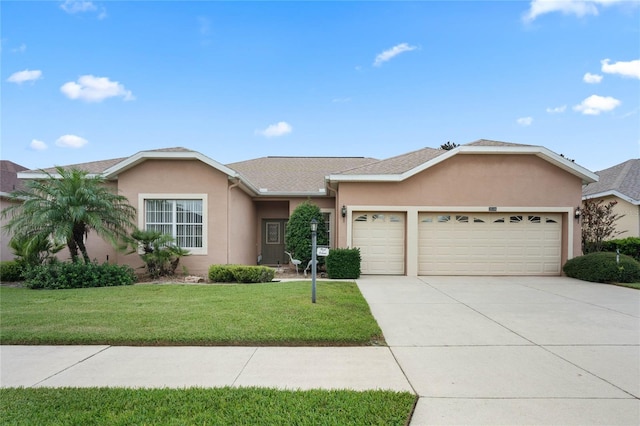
(344, 210)
(577, 213)
(314, 242)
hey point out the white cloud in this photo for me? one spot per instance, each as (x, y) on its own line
(71, 141)
(82, 6)
(625, 69)
(594, 105)
(20, 49)
(525, 121)
(592, 78)
(579, 8)
(390, 53)
(37, 145)
(557, 110)
(77, 6)
(26, 75)
(95, 89)
(279, 129)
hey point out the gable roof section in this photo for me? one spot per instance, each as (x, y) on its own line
(294, 175)
(621, 180)
(397, 169)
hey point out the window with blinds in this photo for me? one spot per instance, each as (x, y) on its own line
(182, 219)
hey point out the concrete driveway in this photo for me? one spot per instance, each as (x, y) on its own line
(513, 350)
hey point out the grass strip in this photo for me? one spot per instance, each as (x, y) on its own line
(217, 406)
(274, 314)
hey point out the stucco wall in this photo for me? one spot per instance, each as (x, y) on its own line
(166, 178)
(476, 181)
(630, 222)
(242, 242)
(5, 251)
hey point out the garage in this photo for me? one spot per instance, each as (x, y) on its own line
(464, 243)
(380, 236)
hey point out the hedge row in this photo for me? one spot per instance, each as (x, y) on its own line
(240, 274)
(10, 271)
(63, 275)
(629, 246)
(602, 267)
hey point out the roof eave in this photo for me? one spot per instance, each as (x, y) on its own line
(612, 193)
(297, 194)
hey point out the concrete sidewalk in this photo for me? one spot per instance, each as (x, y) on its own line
(358, 368)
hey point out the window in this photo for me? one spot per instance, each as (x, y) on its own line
(462, 219)
(180, 218)
(444, 218)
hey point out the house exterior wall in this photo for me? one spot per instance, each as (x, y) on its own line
(175, 179)
(475, 182)
(630, 222)
(5, 251)
(242, 242)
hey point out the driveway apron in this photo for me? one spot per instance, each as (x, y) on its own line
(513, 350)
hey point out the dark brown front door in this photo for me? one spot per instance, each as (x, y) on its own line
(273, 242)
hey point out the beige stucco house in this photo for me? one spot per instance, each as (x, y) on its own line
(620, 183)
(9, 182)
(482, 208)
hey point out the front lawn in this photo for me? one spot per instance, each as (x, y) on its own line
(259, 314)
(221, 406)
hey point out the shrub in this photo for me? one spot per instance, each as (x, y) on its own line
(298, 231)
(10, 270)
(240, 274)
(343, 263)
(629, 246)
(63, 275)
(602, 267)
(159, 253)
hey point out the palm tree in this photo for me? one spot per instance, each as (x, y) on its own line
(66, 206)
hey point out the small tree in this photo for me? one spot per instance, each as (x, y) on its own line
(66, 206)
(160, 256)
(449, 146)
(33, 251)
(598, 224)
(298, 234)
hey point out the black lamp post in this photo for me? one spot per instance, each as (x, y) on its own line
(314, 235)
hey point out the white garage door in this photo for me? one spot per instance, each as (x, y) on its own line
(380, 238)
(489, 243)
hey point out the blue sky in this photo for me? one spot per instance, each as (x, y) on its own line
(88, 80)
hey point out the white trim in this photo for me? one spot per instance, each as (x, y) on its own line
(332, 224)
(614, 194)
(412, 212)
(547, 155)
(162, 196)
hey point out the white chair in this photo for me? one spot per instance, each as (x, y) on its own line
(295, 262)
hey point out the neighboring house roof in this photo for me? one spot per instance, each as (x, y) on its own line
(404, 166)
(621, 180)
(9, 181)
(294, 175)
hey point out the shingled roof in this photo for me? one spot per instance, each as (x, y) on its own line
(9, 181)
(623, 179)
(294, 174)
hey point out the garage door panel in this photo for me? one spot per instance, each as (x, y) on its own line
(380, 236)
(489, 243)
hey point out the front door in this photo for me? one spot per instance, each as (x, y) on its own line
(273, 242)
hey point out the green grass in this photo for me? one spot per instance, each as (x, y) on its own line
(221, 406)
(629, 285)
(265, 314)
